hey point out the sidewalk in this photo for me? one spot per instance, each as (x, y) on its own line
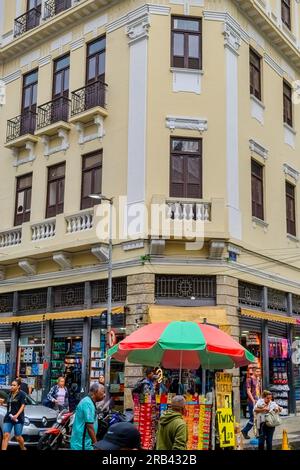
(292, 426)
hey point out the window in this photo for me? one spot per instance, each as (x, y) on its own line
(56, 190)
(60, 92)
(29, 99)
(286, 12)
(95, 67)
(257, 190)
(290, 208)
(186, 168)
(91, 179)
(186, 42)
(255, 74)
(287, 104)
(23, 199)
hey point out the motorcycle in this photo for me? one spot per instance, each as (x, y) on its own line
(60, 434)
(108, 418)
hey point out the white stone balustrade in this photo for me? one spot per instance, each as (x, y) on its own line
(80, 222)
(43, 231)
(10, 238)
(177, 210)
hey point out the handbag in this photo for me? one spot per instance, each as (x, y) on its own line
(272, 419)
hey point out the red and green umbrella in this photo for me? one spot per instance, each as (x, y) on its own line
(184, 345)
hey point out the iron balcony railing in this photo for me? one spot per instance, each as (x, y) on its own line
(53, 111)
(54, 7)
(29, 20)
(20, 125)
(88, 97)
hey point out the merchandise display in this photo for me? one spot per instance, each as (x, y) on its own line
(66, 360)
(4, 364)
(30, 368)
(279, 383)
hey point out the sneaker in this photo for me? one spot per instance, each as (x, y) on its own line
(245, 435)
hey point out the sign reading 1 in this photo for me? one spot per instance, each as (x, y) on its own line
(225, 421)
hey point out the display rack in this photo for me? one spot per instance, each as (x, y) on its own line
(4, 368)
(97, 365)
(31, 367)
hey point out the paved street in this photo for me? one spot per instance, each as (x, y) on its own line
(291, 424)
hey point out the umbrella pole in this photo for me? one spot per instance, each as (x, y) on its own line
(213, 420)
(203, 381)
(180, 372)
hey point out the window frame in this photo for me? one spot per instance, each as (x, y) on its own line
(56, 180)
(198, 155)
(258, 211)
(88, 56)
(93, 202)
(186, 34)
(287, 98)
(286, 6)
(61, 71)
(290, 224)
(258, 70)
(25, 214)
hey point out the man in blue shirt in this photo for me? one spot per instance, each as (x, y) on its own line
(86, 421)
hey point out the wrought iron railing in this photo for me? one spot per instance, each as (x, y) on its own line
(71, 295)
(250, 294)
(185, 287)
(88, 97)
(53, 111)
(6, 302)
(119, 290)
(20, 125)
(54, 7)
(29, 20)
(277, 300)
(33, 300)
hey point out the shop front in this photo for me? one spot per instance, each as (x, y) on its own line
(267, 337)
(296, 364)
(5, 341)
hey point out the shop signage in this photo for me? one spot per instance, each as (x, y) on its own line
(223, 390)
(225, 421)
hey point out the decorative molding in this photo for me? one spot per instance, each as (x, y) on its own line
(12, 77)
(44, 60)
(187, 80)
(101, 253)
(77, 44)
(28, 266)
(234, 249)
(133, 245)
(80, 127)
(136, 14)
(63, 260)
(232, 38)
(258, 149)
(273, 64)
(29, 58)
(289, 135)
(138, 29)
(261, 223)
(181, 122)
(95, 23)
(257, 109)
(31, 156)
(2, 273)
(63, 134)
(61, 41)
(216, 249)
(290, 171)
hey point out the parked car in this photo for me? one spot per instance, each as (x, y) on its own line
(38, 419)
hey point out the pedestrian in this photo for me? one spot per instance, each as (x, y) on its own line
(253, 394)
(121, 436)
(58, 397)
(14, 418)
(172, 431)
(263, 407)
(24, 387)
(146, 386)
(85, 424)
(102, 379)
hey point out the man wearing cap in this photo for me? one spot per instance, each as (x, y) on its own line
(146, 386)
(172, 431)
(120, 436)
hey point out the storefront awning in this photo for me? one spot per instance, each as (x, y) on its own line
(59, 315)
(214, 315)
(268, 316)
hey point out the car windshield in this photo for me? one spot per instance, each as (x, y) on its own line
(28, 399)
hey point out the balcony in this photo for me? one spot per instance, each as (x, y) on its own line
(11, 238)
(80, 222)
(54, 7)
(53, 116)
(29, 20)
(44, 230)
(88, 102)
(20, 136)
(189, 210)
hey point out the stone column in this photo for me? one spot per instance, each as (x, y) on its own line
(140, 294)
(228, 297)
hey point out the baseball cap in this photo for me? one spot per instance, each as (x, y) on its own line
(120, 436)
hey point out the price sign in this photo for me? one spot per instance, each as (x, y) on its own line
(225, 421)
(223, 390)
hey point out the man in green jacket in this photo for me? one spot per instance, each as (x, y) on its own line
(172, 429)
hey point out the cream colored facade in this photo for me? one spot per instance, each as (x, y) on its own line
(148, 102)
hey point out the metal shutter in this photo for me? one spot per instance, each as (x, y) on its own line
(32, 329)
(250, 324)
(5, 331)
(118, 321)
(63, 328)
(277, 329)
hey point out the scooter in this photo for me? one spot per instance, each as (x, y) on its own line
(60, 434)
(107, 419)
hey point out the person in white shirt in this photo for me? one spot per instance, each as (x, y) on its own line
(262, 407)
(58, 397)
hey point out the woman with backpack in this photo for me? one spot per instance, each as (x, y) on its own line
(58, 397)
(267, 415)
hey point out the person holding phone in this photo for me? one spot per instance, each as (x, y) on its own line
(14, 418)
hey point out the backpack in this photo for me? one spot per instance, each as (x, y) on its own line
(272, 419)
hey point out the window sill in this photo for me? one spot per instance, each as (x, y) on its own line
(289, 128)
(257, 101)
(197, 71)
(261, 223)
(293, 238)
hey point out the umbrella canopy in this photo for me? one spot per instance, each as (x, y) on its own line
(179, 344)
